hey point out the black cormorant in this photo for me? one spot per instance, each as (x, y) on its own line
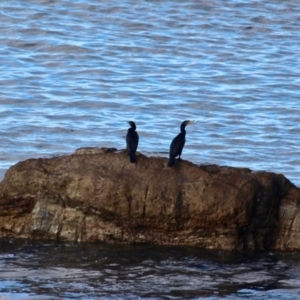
(177, 144)
(132, 141)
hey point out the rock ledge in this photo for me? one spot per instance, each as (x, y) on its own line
(96, 195)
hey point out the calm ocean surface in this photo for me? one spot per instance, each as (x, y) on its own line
(72, 74)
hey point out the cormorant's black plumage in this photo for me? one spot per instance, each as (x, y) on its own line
(132, 141)
(177, 144)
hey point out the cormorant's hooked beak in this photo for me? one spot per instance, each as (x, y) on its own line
(131, 123)
(189, 122)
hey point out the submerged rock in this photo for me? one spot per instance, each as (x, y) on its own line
(96, 195)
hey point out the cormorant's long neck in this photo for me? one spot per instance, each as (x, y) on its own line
(132, 127)
(182, 128)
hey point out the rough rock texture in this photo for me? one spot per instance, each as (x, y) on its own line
(96, 195)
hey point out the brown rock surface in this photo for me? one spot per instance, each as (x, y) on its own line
(96, 195)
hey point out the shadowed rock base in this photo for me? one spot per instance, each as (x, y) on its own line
(97, 195)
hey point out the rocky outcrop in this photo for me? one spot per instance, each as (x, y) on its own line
(97, 195)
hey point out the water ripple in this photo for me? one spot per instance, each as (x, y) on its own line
(74, 271)
(73, 73)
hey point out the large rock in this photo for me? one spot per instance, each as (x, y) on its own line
(97, 195)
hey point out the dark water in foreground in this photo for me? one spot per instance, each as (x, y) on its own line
(36, 270)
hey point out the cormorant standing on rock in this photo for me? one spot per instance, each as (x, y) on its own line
(132, 141)
(177, 144)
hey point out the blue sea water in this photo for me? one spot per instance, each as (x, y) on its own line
(72, 74)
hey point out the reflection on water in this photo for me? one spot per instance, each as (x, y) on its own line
(36, 270)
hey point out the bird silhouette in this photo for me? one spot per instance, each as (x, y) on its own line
(132, 141)
(177, 144)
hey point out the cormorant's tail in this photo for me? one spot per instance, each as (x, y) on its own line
(171, 162)
(132, 157)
